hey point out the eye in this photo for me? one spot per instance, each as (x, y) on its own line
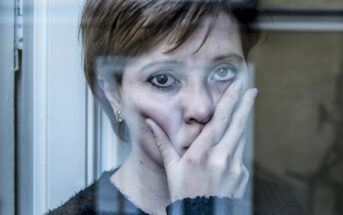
(224, 72)
(163, 80)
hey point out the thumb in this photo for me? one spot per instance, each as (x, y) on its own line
(163, 143)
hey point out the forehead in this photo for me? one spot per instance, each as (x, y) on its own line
(223, 40)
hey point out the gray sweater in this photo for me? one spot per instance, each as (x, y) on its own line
(103, 198)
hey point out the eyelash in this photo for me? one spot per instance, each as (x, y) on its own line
(171, 86)
(231, 67)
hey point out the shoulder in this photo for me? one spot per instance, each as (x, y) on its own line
(102, 197)
(90, 199)
(84, 202)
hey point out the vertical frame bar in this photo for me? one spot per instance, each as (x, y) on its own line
(7, 141)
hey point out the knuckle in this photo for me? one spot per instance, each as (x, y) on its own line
(244, 174)
(236, 170)
(198, 158)
(219, 164)
(245, 171)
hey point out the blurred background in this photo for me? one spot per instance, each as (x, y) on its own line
(54, 139)
(299, 112)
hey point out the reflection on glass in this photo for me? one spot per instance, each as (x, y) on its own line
(173, 79)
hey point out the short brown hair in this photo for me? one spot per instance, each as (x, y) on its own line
(121, 29)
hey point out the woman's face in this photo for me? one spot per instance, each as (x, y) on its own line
(180, 90)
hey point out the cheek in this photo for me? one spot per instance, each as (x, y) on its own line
(164, 112)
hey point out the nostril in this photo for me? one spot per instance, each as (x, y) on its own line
(198, 121)
(200, 118)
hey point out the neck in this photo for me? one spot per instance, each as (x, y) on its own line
(144, 182)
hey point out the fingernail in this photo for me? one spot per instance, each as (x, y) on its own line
(253, 93)
(238, 85)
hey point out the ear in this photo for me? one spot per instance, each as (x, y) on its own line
(113, 95)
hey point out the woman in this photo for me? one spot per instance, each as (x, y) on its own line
(172, 77)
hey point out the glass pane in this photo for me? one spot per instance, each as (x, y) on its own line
(303, 3)
(163, 117)
(298, 116)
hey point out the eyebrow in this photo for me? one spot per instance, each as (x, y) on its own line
(161, 62)
(233, 56)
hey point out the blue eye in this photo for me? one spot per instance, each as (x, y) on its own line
(224, 72)
(163, 80)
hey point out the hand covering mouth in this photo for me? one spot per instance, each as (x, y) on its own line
(189, 138)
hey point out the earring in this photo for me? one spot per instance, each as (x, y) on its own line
(119, 117)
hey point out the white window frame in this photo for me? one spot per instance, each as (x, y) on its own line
(7, 143)
(52, 138)
(46, 178)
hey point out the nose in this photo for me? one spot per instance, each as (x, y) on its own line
(198, 105)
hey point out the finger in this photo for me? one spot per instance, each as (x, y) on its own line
(238, 123)
(238, 160)
(242, 185)
(163, 143)
(214, 130)
(236, 179)
(239, 151)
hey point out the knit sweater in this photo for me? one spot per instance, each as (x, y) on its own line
(103, 198)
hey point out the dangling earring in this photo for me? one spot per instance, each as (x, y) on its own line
(119, 117)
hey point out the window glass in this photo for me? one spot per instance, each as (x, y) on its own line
(174, 107)
(303, 3)
(298, 117)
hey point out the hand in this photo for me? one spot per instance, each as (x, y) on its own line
(212, 166)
